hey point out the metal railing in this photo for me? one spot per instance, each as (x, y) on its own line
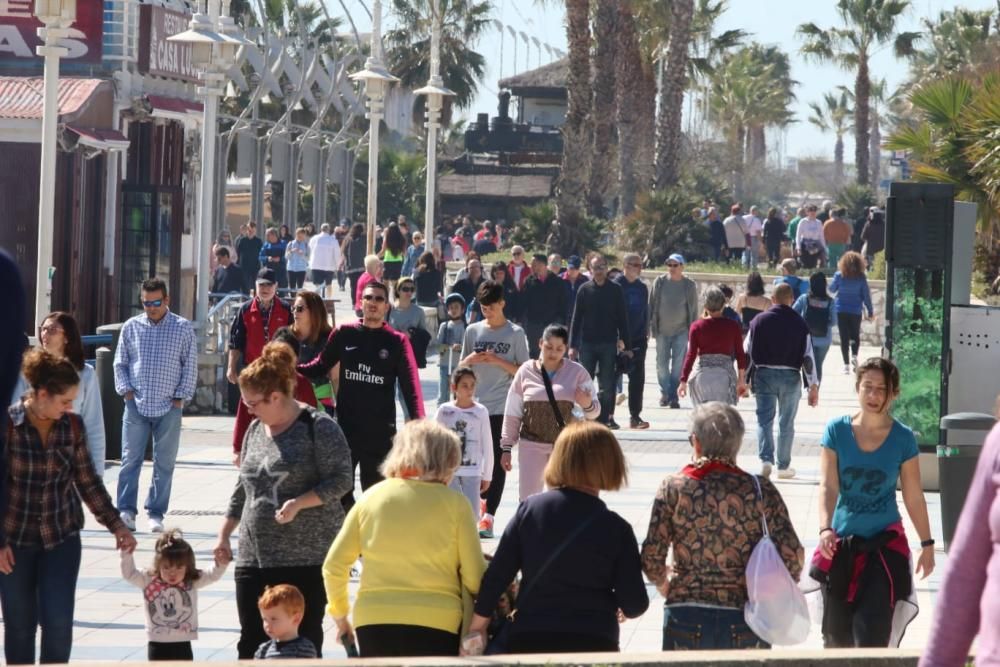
(220, 318)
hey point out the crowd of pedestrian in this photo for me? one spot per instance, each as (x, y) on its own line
(532, 357)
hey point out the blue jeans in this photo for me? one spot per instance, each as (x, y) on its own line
(692, 627)
(41, 590)
(670, 351)
(776, 388)
(136, 429)
(752, 254)
(444, 385)
(599, 359)
(819, 354)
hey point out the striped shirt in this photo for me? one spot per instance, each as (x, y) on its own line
(157, 361)
(300, 647)
(47, 480)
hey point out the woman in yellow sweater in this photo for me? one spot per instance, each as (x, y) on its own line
(408, 606)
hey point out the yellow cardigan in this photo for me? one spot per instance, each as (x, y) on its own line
(420, 548)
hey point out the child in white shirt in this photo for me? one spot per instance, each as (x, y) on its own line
(170, 595)
(471, 421)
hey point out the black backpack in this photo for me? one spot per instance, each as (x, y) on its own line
(818, 316)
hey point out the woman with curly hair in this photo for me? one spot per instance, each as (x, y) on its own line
(852, 294)
(392, 255)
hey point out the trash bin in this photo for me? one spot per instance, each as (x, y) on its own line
(964, 433)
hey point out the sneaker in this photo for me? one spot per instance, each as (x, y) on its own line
(854, 364)
(482, 507)
(620, 398)
(129, 520)
(155, 525)
(638, 423)
(787, 473)
(675, 405)
(613, 425)
(847, 370)
(486, 527)
(765, 470)
(664, 402)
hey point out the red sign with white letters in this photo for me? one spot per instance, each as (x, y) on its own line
(156, 54)
(18, 25)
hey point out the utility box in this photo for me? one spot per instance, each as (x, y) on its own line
(957, 459)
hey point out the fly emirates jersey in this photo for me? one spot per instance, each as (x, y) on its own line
(371, 362)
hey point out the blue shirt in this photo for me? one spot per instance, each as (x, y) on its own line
(297, 261)
(799, 285)
(802, 304)
(866, 503)
(852, 294)
(158, 362)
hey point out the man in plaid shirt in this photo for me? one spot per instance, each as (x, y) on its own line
(156, 368)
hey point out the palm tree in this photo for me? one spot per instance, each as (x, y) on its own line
(463, 22)
(880, 101)
(605, 18)
(775, 96)
(834, 116)
(574, 173)
(634, 107)
(675, 78)
(867, 25)
(952, 42)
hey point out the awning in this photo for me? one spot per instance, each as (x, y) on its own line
(105, 140)
(173, 108)
(21, 97)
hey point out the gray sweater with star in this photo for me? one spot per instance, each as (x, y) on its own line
(274, 470)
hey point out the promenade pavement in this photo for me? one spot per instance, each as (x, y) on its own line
(109, 612)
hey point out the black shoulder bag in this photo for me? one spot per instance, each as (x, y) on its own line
(552, 397)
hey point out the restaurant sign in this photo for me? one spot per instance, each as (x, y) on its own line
(18, 27)
(157, 55)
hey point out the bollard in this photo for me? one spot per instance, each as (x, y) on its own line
(111, 403)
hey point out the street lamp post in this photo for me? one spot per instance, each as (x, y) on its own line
(377, 80)
(435, 92)
(56, 16)
(215, 40)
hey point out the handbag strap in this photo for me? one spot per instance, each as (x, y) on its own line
(551, 559)
(760, 505)
(552, 396)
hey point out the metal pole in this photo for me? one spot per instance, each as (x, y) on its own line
(211, 92)
(47, 180)
(375, 116)
(433, 117)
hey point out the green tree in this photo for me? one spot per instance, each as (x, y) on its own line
(605, 47)
(833, 115)
(401, 184)
(675, 80)
(867, 25)
(952, 42)
(408, 50)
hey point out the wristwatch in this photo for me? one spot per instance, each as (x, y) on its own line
(927, 543)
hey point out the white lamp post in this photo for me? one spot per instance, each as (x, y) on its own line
(215, 41)
(435, 92)
(377, 80)
(56, 16)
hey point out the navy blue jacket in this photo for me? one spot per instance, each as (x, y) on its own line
(637, 305)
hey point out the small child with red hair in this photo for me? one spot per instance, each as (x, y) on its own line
(281, 610)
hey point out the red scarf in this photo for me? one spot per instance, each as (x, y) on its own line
(699, 472)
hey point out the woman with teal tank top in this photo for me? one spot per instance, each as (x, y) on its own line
(864, 561)
(392, 254)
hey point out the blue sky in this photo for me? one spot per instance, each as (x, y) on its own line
(771, 22)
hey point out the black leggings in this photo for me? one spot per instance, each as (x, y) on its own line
(849, 326)
(354, 278)
(495, 492)
(251, 582)
(399, 641)
(866, 622)
(296, 279)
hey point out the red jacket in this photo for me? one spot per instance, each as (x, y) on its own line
(247, 332)
(525, 273)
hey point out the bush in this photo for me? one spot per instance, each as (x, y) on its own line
(662, 224)
(536, 232)
(856, 199)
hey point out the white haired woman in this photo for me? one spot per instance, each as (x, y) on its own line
(373, 271)
(715, 342)
(710, 513)
(408, 606)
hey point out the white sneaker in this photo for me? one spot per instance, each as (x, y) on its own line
(854, 363)
(787, 473)
(765, 470)
(620, 398)
(129, 520)
(155, 525)
(847, 370)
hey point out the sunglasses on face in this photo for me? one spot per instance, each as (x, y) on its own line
(405, 289)
(373, 297)
(298, 309)
(156, 303)
(50, 329)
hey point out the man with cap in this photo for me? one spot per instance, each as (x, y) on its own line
(673, 307)
(543, 302)
(574, 278)
(254, 327)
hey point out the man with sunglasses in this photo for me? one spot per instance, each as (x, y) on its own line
(156, 369)
(253, 328)
(373, 357)
(637, 303)
(673, 307)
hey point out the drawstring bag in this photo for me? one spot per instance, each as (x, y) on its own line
(776, 610)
